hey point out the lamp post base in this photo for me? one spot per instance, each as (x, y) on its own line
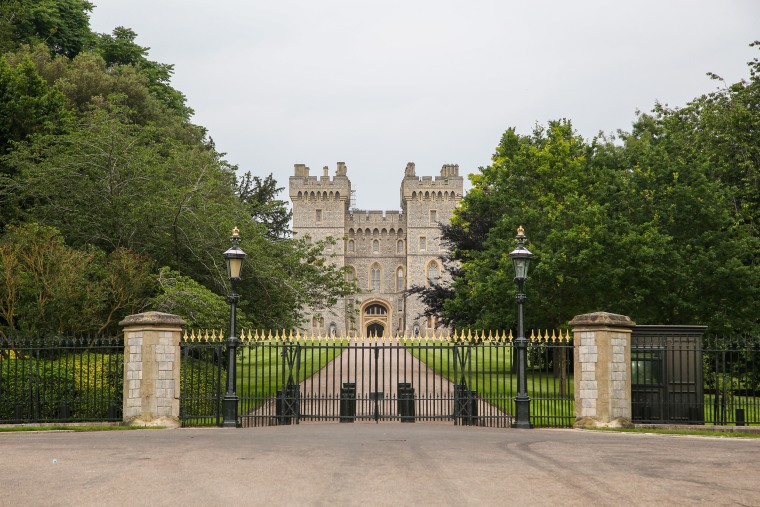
(522, 415)
(229, 412)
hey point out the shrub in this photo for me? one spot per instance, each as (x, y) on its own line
(86, 384)
(33, 389)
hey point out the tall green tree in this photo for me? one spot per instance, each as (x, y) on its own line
(27, 103)
(63, 25)
(111, 183)
(646, 228)
(119, 49)
(259, 196)
(46, 286)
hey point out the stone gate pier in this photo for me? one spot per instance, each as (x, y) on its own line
(602, 369)
(152, 369)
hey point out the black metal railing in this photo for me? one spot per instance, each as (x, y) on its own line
(61, 379)
(466, 381)
(680, 377)
(731, 372)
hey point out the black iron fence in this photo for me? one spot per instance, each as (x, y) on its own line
(731, 372)
(465, 380)
(202, 379)
(57, 379)
(679, 376)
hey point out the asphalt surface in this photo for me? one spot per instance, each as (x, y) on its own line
(375, 464)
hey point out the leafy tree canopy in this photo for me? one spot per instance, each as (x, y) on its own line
(63, 25)
(47, 286)
(660, 225)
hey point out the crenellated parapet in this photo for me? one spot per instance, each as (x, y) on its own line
(449, 186)
(366, 223)
(361, 218)
(304, 187)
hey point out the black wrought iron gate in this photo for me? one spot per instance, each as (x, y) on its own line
(460, 381)
(368, 380)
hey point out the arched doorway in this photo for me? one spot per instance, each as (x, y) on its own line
(375, 330)
(375, 318)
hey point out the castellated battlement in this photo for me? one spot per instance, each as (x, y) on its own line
(359, 218)
(449, 185)
(303, 185)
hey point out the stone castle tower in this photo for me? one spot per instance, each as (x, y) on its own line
(387, 251)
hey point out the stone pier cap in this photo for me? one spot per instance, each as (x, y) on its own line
(602, 319)
(153, 319)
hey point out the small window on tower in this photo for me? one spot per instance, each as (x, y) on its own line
(432, 274)
(319, 216)
(423, 243)
(433, 216)
(400, 247)
(375, 282)
(375, 246)
(350, 246)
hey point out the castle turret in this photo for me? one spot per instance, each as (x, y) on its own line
(320, 208)
(426, 202)
(320, 204)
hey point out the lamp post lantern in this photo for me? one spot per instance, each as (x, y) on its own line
(234, 257)
(521, 259)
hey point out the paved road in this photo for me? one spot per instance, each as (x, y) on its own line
(375, 464)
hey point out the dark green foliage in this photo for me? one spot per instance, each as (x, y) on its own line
(87, 385)
(47, 286)
(63, 25)
(259, 196)
(27, 104)
(120, 49)
(34, 389)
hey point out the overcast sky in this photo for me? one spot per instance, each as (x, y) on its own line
(377, 84)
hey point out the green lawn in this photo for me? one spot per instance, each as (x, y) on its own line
(727, 414)
(262, 370)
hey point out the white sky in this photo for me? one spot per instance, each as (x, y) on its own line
(377, 84)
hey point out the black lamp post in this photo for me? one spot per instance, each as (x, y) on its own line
(234, 257)
(521, 258)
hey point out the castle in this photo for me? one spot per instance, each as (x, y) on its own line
(386, 251)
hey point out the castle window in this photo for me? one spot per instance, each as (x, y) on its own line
(400, 279)
(423, 243)
(375, 246)
(432, 322)
(317, 321)
(350, 274)
(400, 305)
(350, 246)
(375, 282)
(432, 274)
(433, 216)
(400, 247)
(319, 216)
(375, 309)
